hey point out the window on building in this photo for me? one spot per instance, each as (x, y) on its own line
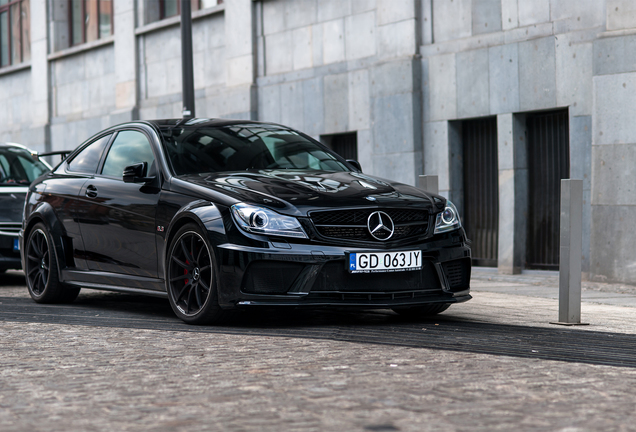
(15, 32)
(90, 20)
(169, 8)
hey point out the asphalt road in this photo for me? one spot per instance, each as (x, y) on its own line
(113, 361)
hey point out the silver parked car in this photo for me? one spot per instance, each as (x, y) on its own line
(19, 166)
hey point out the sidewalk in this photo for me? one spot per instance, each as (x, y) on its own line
(546, 284)
(531, 299)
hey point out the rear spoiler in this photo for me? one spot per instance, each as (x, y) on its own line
(61, 153)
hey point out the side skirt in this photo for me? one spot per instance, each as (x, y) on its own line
(92, 278)
(152, 293)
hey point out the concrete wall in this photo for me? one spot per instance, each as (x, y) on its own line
(160, 68)
(15, 94)
(614, 151)
(136, 73)
(82, 95)
(329, 67)
(506, 57)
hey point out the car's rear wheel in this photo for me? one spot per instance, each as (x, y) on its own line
(423, 311)
(42, 275)
(191, 278)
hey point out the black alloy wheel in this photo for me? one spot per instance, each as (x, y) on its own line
(41, 270)
(191, 278)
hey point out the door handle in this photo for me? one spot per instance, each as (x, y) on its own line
(91, 191)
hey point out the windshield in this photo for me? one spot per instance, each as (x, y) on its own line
(245, 147)
(18, 166)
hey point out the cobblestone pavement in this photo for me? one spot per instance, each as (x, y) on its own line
(60, 377)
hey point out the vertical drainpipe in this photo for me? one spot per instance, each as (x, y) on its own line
(187, 74)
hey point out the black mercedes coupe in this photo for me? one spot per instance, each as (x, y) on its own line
(220, 214)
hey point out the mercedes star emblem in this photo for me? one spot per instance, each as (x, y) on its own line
(380, 225)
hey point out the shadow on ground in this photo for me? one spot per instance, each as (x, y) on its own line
(445, 332)
(11, 279)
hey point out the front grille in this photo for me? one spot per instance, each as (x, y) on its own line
(457, 274)
(352, 224)
(10, 228)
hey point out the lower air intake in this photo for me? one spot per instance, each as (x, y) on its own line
(457, 274)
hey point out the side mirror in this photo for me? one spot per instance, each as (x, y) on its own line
(355, 164)
(137, 173)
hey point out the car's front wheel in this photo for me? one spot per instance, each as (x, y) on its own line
(423, 311)
(191, 278)
(42, 275)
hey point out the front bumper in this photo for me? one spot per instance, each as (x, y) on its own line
(312, 275)
(9, 255)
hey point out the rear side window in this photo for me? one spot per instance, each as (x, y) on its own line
(129, 147)
(87, 160)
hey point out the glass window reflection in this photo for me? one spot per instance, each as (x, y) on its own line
(129, 148)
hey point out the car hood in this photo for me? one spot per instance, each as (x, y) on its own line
(12, 203)
(297, 192)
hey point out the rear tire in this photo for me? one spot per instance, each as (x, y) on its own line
(191, 278)
(41, 270)
(423, 311)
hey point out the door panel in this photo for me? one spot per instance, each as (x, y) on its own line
(118, 226)
(63, 193)
(118, 219)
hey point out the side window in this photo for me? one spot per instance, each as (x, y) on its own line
(129, 147)
(87, 160)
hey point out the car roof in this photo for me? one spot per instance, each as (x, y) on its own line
(13, 145)
(203, 122)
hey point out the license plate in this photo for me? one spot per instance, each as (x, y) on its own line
(16, 244)
(375, 262)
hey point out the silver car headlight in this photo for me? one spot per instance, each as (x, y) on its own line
(448, 220)
(259, 220)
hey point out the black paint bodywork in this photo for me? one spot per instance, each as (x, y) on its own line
(117, 238)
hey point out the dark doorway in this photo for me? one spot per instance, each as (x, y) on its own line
(548, 163)
(346, 144)
(481, 189)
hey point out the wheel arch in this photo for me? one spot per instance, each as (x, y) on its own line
(204, 214)
(45, 214)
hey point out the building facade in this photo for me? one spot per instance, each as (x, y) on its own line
(499, 98)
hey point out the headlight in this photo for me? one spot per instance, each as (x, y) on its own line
(448, 220)
(259, 220)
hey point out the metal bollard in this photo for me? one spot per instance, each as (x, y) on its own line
(570, 253)
(429, 183)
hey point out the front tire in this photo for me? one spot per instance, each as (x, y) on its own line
(191, 278)
(423, 311)
(42, 273)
